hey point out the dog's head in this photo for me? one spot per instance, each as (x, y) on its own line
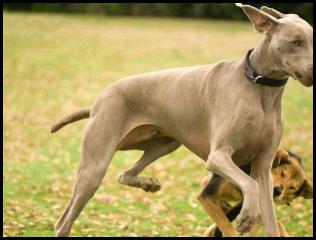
(290, 40)
(289, 178)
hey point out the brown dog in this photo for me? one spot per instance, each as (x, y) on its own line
(289, 181)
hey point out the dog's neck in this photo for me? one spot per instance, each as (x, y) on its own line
(265, 62)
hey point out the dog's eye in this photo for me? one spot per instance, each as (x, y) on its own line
(292, 188)
(297, 43)
(282, 174)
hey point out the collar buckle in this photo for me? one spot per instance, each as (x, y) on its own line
(256, 79)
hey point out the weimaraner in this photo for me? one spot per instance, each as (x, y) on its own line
(227, 113)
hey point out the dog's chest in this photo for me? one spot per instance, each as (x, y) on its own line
(263, 133)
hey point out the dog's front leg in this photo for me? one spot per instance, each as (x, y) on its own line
(220, 162)
(212, 205)
(261, 172)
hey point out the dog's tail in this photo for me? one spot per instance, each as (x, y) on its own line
(76, 116)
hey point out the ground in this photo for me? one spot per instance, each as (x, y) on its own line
(55, 64)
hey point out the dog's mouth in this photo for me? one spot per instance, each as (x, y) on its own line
(278, 201)
(306, 79)
(281, 201)
(304, 76)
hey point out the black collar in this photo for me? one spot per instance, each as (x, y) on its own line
(259, 79)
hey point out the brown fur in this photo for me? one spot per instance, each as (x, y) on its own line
(288, 174)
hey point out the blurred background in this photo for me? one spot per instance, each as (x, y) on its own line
(194, 10)
(56, 63)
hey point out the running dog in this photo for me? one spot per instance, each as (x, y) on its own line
(228, 113)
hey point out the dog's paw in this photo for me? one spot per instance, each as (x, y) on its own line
(62, 232)
(147, 184)
(150, 184)
(245, 221)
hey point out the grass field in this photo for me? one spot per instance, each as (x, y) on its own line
(56, 64)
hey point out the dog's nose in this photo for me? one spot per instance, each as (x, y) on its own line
(277, 191)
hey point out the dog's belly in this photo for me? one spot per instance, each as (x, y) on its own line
(197, 142)
(142, 136)
(201, 147)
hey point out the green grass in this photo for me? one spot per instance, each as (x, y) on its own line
(55, 64)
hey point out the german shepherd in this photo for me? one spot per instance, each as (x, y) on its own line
(289, 181)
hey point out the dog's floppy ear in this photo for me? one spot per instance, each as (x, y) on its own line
(262, 22)
(281, 157)
(276, 161)
(306, 190)
(272, 12)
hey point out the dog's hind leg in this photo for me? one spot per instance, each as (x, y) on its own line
(153, 151)
(98, 148)
(221, 163)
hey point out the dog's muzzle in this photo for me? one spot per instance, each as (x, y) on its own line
(306, 79)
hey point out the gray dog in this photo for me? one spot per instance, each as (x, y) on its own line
(227, 113)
